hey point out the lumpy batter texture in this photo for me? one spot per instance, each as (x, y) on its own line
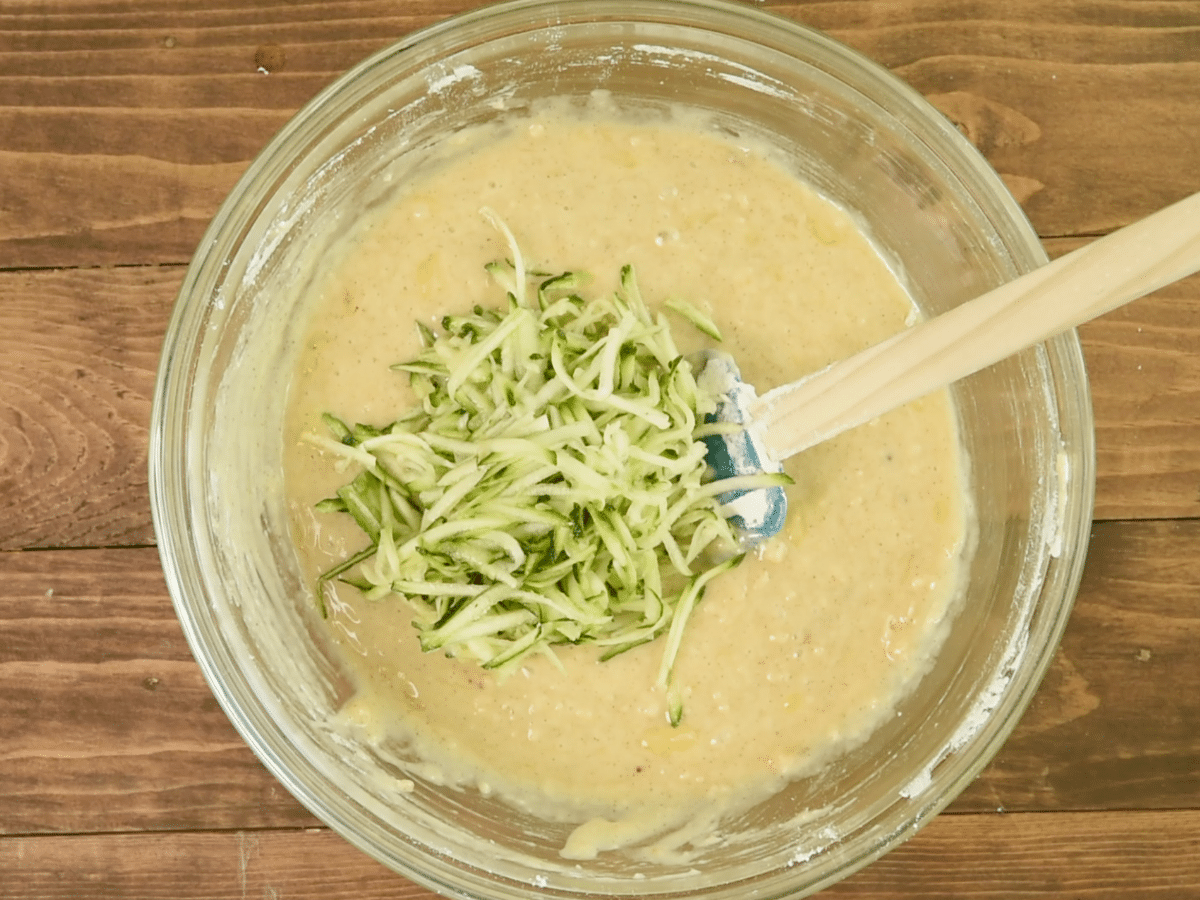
(789, 659)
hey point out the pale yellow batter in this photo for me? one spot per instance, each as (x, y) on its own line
(790, 658)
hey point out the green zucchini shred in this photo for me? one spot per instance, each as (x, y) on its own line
(548, 489)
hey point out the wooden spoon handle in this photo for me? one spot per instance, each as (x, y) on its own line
(1082, 285)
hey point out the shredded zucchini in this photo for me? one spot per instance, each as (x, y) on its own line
(548, 488)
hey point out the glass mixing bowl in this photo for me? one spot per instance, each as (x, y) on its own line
(863, 139)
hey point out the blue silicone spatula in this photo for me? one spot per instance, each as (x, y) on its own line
(1086, 283)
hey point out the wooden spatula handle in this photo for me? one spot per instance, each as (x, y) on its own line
(1082, 285)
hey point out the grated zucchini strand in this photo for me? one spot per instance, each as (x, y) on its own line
(549, 486)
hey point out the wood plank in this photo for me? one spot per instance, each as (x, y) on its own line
(1101, 856)
(78, 353)
(106, 722)
(107, 725)
(207, 866)
(1144, 368)
(79, 349)
(1035, 88)
(122, 128)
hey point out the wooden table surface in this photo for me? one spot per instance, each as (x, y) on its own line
(123, 123)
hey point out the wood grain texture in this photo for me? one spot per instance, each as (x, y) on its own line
(1101, 732)
(1144, 367)
(107, 725)
(122, 126)
(78, 353)
(223, 866)
(1072, 103)
(1100, 856)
